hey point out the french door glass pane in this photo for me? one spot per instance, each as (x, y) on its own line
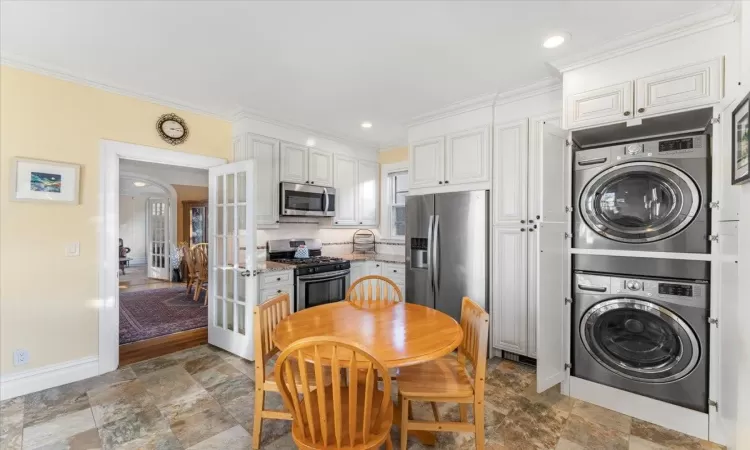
(230, 315)
(241, 289)
(220, 190)
(230, 221)
(241, 219)
(242, 187)
(219, 312)
(230, 188)
(220, 220)
(241, 319)
(229, 277)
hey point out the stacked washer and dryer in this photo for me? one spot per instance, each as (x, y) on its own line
(640, 323)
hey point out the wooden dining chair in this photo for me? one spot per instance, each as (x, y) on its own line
(187, 256)
(374, 291)
(200, 258)
(336, 416)
(446, 380)
(266, 318)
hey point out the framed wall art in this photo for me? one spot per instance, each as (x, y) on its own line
(35, 180)
(741, 142)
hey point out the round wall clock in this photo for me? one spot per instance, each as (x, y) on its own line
(172, 129)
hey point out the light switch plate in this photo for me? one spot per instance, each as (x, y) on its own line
(73, 249)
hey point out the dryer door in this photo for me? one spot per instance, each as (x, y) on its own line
(640, 340)
(640, 202)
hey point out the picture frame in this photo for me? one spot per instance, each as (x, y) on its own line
(741, 142)
(36, 180)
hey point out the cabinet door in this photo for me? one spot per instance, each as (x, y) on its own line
(685, 87)
(510, 173)
(293, 163)
(265, 152)
(467, 157)
(531, 283)
(536, 130)
(509, 294)
(426, 163)
(357, 271)
(345, 182)
(729, 196)
(320, 167)
(374, 268)
(368, 193)
(609, 104)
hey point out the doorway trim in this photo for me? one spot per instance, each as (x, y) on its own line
(110, 153)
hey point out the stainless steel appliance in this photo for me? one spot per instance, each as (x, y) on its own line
(447, 250)
(307, 200)
(645, 335)
(318, 279)
(647, 195)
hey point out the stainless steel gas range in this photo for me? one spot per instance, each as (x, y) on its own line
(317, 279)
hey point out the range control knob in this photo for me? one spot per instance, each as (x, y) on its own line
(634, 149)
(633, 285)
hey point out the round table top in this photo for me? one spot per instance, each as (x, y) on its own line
(401, 335)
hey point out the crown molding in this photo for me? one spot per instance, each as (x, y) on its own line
(60, 74)
(247, 113)
(712, 17)
(470, 104)
(543, 86)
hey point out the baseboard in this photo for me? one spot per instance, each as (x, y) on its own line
(670, 416)
(46, 377)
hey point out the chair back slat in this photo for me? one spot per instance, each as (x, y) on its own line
(187, 256)
(374, 291)
(475, 323)
(200, 259)
(329, 425)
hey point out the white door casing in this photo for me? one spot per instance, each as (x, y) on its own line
(157, 238)
(293, 163)
(467, 156)
(426, 160)
(603, 105)
(232, 280)
(367, 193)
(509, 288)
(320, 167)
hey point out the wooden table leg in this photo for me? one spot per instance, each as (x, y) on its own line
(426, 437)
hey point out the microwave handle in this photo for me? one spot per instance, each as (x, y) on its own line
(325, 193)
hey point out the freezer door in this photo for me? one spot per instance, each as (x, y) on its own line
(420, 211)
(461, 237)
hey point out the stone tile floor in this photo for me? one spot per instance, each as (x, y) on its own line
(202, 398)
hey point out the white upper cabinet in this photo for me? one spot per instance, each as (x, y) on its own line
(688, 86)
(345, 182)
(555, 172)
(509, 324)
(467, 157)
(293, 163)
(265, 152)
(603, 105)
(510, 173)
(320, 166)
(367, 183)
(426, 163)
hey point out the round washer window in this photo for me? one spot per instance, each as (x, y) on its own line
(640, 340)
(639, 202)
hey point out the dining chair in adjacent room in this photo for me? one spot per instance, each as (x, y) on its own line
(374, 291)
(446, 380)
(187, 256)
(266, 318)
(336, 416)
(200, 258)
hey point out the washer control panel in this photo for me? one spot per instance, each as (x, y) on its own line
(667, 290)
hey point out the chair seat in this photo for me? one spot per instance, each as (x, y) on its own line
(443, 377)
(379, 430)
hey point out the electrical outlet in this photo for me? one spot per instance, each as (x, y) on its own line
(20, 357)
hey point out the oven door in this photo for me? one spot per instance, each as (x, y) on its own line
(304, 200)
(319, 289)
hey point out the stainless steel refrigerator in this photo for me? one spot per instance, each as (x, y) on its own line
(447, 238)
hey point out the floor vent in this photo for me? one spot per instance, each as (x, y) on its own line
(519, 358)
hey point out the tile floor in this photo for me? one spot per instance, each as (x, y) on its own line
(135, 279)
(202, 398)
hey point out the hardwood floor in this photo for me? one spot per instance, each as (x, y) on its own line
(162, 345)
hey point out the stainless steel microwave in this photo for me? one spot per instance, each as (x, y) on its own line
(307, 200)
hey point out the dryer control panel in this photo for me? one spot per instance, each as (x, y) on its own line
(667, 290)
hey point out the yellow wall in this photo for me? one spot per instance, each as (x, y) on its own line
(48, 301)
(393, 155)
(187, 194)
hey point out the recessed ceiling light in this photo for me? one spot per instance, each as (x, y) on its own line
(366, 125)
(556, 40)
(310, 142)
(139, 183)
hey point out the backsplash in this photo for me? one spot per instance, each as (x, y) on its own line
(335, 241)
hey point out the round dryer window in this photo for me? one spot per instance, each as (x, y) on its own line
(640, 202)
(639, 340)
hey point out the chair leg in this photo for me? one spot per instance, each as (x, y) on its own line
(388, 443)
(260, 397)
(479, 423)
(405, 406)
(197, 291)
(464, 410)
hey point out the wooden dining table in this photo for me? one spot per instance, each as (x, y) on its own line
(400, 335)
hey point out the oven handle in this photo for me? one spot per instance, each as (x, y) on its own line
(331, 275)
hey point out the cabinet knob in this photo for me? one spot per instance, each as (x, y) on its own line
(307, 182)
(312, 182)
(337, 223)
(538, 217)
(626, 113)
(377, 265)
(523, 221)
(640, 110)
(278, 291)
(440, 182)
(446, 181)
(523, 229)
(530, 230)
(531, 221)
(278, 279)
(360, 223)
(394, 270)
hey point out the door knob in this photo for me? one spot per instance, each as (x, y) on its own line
(246, 273)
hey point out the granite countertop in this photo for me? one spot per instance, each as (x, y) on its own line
(395, 259)
(271, 266)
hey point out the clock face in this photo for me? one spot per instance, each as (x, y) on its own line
(172, 129)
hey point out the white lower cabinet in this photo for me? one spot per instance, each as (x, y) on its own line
(275, 283)
(510, 299)
(394, 271)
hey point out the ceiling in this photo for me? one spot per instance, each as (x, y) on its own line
(327, 66)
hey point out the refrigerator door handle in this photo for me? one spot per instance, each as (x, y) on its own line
(435, 256)
(430, 269)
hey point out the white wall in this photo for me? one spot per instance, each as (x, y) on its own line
(133, 225)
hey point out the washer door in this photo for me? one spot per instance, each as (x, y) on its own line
(640, 202)
(640, 340)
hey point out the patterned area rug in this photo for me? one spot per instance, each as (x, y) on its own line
(158, 312)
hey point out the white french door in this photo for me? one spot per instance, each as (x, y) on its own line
(157, 238)
(232, 289)
(553, 259)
